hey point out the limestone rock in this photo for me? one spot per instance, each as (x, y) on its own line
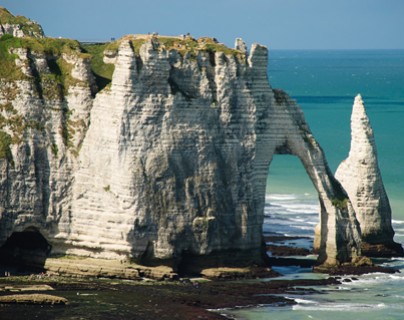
(240, 45)
(360, 176)
(18, 26)
(167, 165)
(33, 298)
(174, 163)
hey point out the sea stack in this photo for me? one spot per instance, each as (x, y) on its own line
(360, 176)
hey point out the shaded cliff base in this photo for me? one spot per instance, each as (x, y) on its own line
(382, 250)
(212, 267)
(187, 298)
(26, 252)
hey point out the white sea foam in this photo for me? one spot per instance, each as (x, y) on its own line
(304, 301)
(274, 197)
(335, 306)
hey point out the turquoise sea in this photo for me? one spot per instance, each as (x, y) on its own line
(324, 83)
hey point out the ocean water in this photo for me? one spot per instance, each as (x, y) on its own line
(324, 83)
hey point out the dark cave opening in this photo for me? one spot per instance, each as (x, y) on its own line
(25, 251)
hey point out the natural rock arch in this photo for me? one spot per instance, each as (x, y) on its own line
(198, 158)
(173, 163)
(339, 236)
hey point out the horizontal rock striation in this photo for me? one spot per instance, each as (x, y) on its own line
(174, 163)
(361, 178)
(156, 154)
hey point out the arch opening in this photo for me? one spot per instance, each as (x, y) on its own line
(291, 213)
(25, 251)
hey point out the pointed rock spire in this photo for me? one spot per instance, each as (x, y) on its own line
(360, 176)
(240, 45)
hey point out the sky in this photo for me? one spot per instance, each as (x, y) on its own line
(278, 24)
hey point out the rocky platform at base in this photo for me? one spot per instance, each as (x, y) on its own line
(33, 298)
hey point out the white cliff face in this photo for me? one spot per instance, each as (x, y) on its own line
(176, 159)
(18, 26)
(167, 163)
(40, 121)
(360, 176)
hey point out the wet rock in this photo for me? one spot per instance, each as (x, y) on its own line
(34, 298)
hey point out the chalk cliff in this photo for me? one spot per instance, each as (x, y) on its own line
(360, 176)
(152, 150)
(18, 26)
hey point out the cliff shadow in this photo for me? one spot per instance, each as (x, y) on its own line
(24, 252)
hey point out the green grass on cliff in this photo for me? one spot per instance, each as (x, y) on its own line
(101, 70)
(5, 142)
(8, 69)
(183, 45)
(26, 24)
(48, 46)
(52, 85)
(52, 46)
(192, 46)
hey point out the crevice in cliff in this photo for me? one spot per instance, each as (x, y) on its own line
(36, 76)
(102, 71)
(210, 74)
(175, 88)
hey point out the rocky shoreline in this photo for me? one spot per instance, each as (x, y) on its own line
(184, 298)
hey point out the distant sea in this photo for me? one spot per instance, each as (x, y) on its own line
(324, 84)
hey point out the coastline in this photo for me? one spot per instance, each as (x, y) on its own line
(186, 298)
(106, 298)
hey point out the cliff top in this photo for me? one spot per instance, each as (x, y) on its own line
(10, 24)
(48, 46)
(18, 32)
(183, 44)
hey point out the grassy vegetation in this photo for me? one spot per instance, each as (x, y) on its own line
(8, 69)
(102, 71)
(15, 123)
(27, 26)
(340, 200)
(137, 43)
(48, 46)
(5, 142)
(192, 46)
(54, 85)
(184, 45)
(60, 73)
(66, 131)
(54, 149)
(340, 203)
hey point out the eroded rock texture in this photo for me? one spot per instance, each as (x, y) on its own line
(173, 165)
(360, 176)
(167, 164)
(18, 26)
